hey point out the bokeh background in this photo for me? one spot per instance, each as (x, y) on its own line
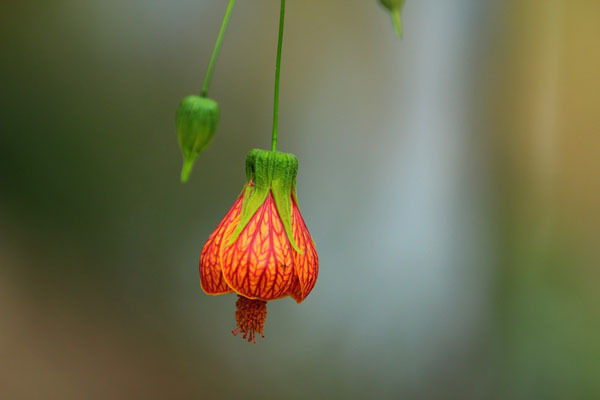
(451, 182)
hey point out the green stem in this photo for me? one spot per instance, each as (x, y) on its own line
(397, 17)
(277, 74)
(215, 54)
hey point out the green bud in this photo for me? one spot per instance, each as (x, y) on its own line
(392, 4)
(395, 8)
(197, 120)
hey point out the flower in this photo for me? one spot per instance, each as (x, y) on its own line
(261, 250)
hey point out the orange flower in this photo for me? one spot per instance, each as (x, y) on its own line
(262, 249)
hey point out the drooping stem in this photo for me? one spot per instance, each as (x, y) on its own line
(277, 74)
(215, 54)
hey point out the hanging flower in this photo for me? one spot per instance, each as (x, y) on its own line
(261, 250)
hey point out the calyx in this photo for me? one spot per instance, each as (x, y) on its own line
(274, 172)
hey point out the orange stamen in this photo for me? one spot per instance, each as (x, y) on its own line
(250, 317)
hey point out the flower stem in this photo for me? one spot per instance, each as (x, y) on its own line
(277, 74)
(215, 54)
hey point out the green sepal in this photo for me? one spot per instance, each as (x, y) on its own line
(269, 172)
(197, 119)
(395, 8)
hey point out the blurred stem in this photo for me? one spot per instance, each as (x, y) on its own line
(277, 74)
(397, 17)
(215, 54)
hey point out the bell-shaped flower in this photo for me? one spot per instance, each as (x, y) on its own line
(261, 250)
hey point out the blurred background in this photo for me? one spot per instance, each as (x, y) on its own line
(451, 181)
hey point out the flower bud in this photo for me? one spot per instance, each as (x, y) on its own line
(197, 120)
(392, 4)
(395, 8)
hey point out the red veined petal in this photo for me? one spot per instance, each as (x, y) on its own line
(259, 264)
(295, 290)
(211, 275)
(306, 265)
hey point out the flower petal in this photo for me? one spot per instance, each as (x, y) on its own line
(211, 275)
(295, 290)
(259, 264)
(306, 265)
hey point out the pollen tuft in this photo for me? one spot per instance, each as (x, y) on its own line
(250, 316)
